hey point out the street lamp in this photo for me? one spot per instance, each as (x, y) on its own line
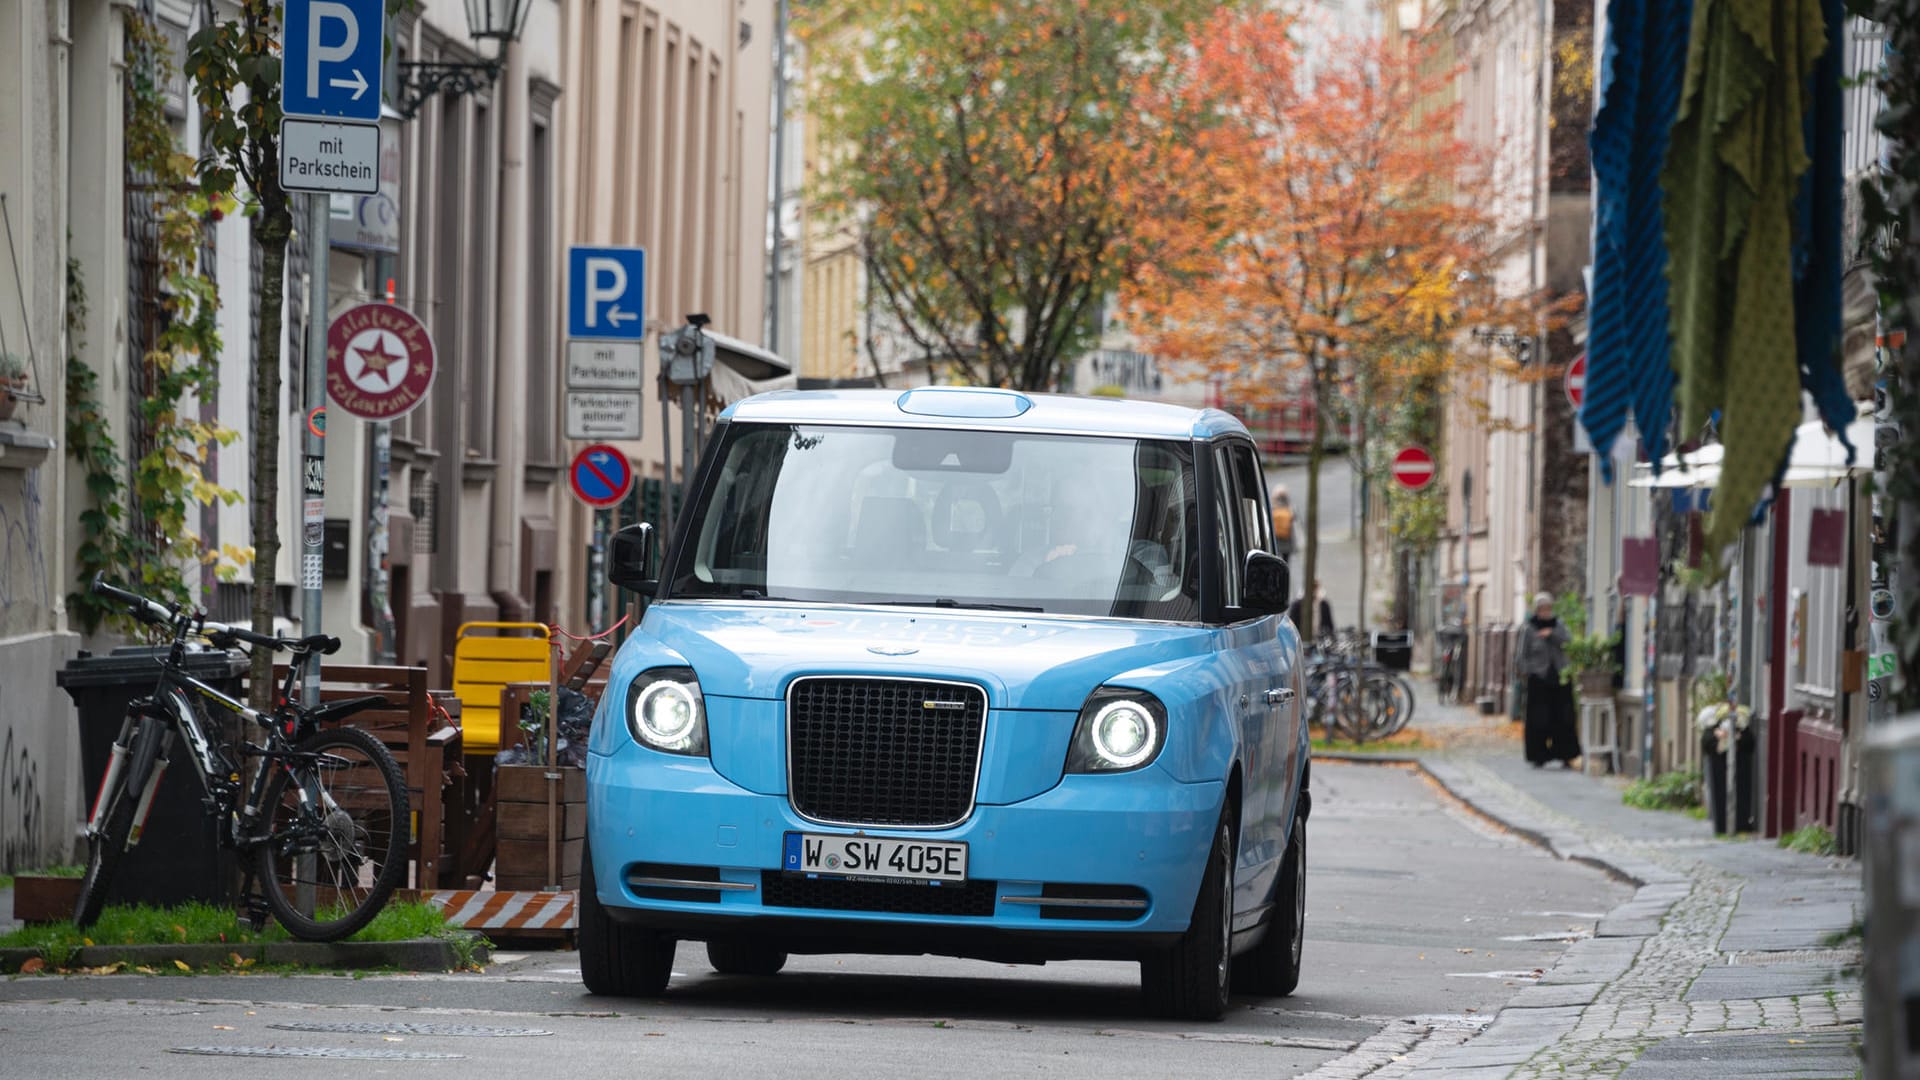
(497, 19)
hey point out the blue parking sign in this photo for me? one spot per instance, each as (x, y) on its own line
(606, 293)
(332, 58)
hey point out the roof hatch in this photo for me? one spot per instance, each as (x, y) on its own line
(970, 402)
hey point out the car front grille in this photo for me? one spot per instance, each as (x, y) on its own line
(884, 752)
(970, 899)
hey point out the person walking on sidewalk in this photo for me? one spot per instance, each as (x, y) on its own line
(1282, 523)
(1551, 731)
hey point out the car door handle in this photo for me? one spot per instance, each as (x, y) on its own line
(1280, 695)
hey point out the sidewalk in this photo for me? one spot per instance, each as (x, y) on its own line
(1729, 961)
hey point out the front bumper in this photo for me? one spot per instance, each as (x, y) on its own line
(1142, 830)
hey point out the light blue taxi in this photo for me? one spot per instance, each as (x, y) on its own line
(956, 671)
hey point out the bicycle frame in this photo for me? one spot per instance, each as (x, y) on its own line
(220, 778)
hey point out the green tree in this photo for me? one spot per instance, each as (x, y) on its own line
(235, 68)
(994, 156)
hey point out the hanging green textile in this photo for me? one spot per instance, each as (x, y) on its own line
(1739, 147)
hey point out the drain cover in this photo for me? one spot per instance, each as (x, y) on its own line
(313, 1052)
(409, 1029)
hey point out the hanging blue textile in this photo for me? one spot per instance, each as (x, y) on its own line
(1818, 265)
(1629, 349)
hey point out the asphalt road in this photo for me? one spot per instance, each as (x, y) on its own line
(1416, 908)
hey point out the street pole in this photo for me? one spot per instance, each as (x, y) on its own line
(775, 279)
(313, 474)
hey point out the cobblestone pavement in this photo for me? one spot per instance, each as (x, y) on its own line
(1730, 951)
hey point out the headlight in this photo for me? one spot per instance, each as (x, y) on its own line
(1119, 729)
(666, 712)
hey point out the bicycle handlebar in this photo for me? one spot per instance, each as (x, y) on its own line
(220, 634)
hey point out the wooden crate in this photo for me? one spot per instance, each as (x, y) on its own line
(520, 854)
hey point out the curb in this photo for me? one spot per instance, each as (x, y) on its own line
(416, 954)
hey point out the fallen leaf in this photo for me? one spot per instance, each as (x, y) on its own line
(1795, 1042)
(182, 965)
(223, 1027)
(34, 964)
(86, 941)
(180, 931)
(145, 970)
(392, 1038)
(1464, 952)
(1398, 1057)
(1423, 956)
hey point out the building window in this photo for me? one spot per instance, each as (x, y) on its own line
(477, 358)
(540, 338)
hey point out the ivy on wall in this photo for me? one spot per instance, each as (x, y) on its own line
(1889, 201)
(169, 480)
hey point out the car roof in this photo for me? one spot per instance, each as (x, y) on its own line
(985, 408)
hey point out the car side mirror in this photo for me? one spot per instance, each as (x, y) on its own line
(630, 559)
(1267, 586)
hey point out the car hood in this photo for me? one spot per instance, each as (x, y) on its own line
(753, 649)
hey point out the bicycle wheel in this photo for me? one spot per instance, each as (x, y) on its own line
(337, 838)
(1402, 702)
(116, 824)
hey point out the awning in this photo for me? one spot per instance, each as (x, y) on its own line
(1818, 459)
(741, 370)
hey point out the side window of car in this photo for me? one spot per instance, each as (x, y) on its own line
(1233, 550)
(1256, 522)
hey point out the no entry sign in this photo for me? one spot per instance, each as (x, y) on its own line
(601, 475)
(1413, 468)
(1577, 380)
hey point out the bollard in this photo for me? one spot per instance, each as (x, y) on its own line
(1892, 865)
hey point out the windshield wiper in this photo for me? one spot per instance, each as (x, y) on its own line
(947, 602)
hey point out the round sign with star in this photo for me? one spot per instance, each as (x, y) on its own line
(379, 361)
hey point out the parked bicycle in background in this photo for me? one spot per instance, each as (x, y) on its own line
(1352, 696)
(322, 825)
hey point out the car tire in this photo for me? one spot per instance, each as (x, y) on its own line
(1272, 968)
(618, 959)
(745, 958)
(1192, 980)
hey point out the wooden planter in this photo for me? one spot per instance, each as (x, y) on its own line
(41, 898)
(520, 795)
(1596, 685)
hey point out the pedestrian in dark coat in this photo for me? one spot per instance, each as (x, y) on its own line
(1552, 731)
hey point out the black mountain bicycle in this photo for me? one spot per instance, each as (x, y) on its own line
(322, 825)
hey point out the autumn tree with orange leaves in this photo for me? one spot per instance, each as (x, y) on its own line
(990, 152)
(1348, 233)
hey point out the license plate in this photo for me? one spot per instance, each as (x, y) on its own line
(875, 858)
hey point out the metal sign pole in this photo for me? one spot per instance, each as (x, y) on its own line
(314, 474)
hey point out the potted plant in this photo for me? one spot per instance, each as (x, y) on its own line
(13, 378)
(1589, 656)
(1726, 744)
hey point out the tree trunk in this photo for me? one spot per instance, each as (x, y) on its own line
(274, 227)
(1316, 450)
(1365, 432)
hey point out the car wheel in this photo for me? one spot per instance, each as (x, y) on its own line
(1272, 969)
(745, 958)
(1191, 981)
(615, 958)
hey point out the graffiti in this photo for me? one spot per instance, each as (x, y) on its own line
(21, 824)
(23, 571)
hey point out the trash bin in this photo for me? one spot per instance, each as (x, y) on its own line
(1713, 769)
(178, 857)
(1393, 649)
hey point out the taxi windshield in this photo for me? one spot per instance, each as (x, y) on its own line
(1066, 524)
